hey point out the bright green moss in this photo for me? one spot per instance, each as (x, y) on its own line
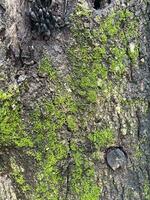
(102, 138)
(5, 95)
(91, 96)
(48, 118)
(49, 177)
(71, 122)
(50, 149)
(83, 184)
(11, 125)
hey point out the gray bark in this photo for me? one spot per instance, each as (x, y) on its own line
(132, 125)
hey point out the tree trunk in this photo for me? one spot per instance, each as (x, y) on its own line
(75, 100)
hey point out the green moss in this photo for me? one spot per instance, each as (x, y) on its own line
(102, 138)
(50, 149)
(48, 118)
(18, 175)
(11, 125)
(99, 56)
(5, 95)
(101, 52)
(91, 96)
(45, 67)
(146, 190)
(83, 185)
(71, 122)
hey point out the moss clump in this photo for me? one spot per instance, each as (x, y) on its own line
(102, 138)
(71, 122)
(52, 150)
(101, 50)
(11, 125)
(45, 67)
(82, 183)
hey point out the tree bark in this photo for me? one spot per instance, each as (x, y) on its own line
(123, 106)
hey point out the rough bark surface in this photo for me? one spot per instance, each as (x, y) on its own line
(57, 123)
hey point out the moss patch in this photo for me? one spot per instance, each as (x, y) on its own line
(82, 183)
(45, 67)
(101, 50)
(49, 118)
(100, 55)
(147, 190)
(11, 125)
(18, 176)
(102, 138)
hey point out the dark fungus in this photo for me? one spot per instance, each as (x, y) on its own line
(41, 18)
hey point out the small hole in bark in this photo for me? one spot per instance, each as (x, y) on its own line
(99, 4)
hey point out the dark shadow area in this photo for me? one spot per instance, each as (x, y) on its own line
(99, 4)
